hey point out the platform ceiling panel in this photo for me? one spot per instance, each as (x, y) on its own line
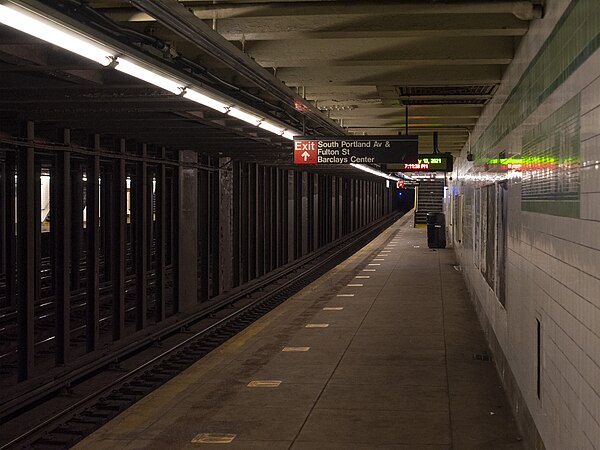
(363, 63)
(358, 67)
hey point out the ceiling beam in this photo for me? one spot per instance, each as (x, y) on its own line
(408, 76)
(380, 52)
(523, 10)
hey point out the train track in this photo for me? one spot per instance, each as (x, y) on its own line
(141, 372)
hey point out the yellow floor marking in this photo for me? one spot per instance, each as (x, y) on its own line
(264, 384)
(333, 308)
(345, 295)
(316, 325)
(369, 270)
(295, 349)
(213, 438)
(355, 285)
(362, 276)
(374, 264)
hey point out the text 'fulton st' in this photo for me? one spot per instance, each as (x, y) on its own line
(340, 152)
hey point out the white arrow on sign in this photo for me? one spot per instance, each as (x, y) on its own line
(305, 155)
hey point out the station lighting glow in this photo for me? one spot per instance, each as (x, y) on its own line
(373, 171)
(290, 135)
(135, 70)
(244, 116)
(203, 99)
(56, 33)
(273, 128)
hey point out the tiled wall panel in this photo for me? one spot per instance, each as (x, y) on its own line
(553, 261)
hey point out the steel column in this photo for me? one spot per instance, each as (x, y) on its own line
(260, 221)
(252, 217)
(303, 219)
(60, 211)
(27, 214)
(11, 241)
(204, 220)
(139, 216)
(290, 217)
(160, 233)
(3, 206)
(275, 223)
(237, 223)
(215, 241)
(314, 204)
(186, 239)
(118, 242)
(244, 221)
(37, 227)
(76, 222)
(225, 213)
(93, 249)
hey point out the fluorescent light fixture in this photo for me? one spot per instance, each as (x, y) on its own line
(129, 67)
(269, 126)
(55, 33)
(290, 134)
(244, 116)
(203, 99)
(372, 171)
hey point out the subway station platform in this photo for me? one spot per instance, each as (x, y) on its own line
(383, 352)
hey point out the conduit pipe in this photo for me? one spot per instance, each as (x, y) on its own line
(173, 15)
(521, 9)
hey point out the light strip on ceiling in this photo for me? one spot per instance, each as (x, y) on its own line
(290, 134)
(373, 171)
(245, 116)
(272, 127)
(55, 33)
(203, 99)
(135, 70)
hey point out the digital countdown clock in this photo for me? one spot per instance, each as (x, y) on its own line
(435, 162)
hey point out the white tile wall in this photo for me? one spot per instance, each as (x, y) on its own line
(553, 268)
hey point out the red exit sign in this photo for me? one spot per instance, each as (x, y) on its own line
(305, 152)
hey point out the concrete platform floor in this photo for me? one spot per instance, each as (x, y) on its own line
(394, 369)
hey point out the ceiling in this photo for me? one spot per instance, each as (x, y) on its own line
(360, 67)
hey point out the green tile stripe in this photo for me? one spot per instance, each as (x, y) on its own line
(551, 159)
(575, 37)
(553, 208)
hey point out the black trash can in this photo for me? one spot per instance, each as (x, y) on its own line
(436, 230)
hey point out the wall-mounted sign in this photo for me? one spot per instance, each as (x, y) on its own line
(356, 150)
(435, 162)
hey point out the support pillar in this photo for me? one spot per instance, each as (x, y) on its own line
(225, 224)
(188, 231)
